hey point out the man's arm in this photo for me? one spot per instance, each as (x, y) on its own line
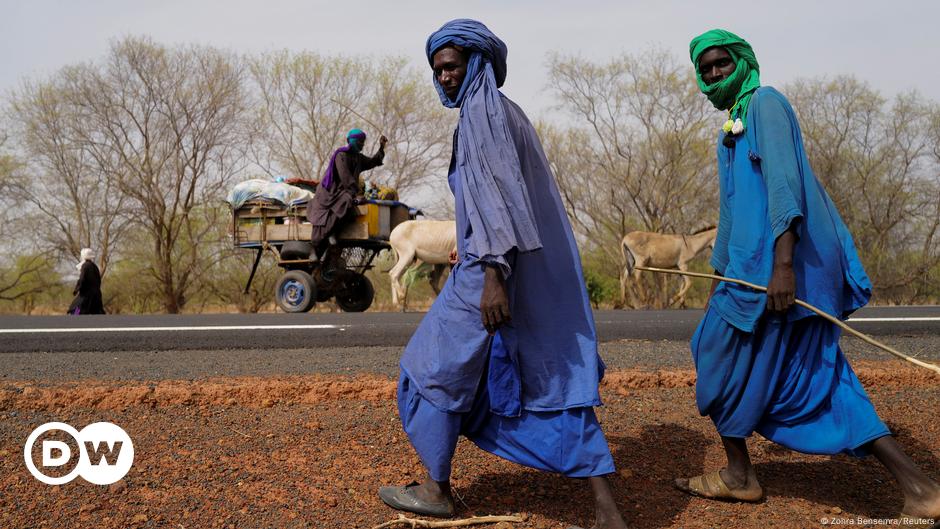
(711, 292)
(370, 162)
(780, 166)
(781, 292)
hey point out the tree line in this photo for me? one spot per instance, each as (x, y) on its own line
(638, 153)
(133, 155)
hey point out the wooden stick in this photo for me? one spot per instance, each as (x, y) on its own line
(367, 120)
(476, 520)
(802, 303)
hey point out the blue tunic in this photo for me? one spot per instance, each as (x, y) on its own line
(526, 394)
(766, 186)
(551, 344)
(782, 376)
(569, 442)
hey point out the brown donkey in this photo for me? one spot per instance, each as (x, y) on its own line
(662, 250)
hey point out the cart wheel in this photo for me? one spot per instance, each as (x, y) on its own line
(355, 294)
(295, 291)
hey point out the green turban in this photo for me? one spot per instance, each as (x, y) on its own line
(735, 90)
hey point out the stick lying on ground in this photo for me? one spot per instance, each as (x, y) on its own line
(476, 520)
(802, 303)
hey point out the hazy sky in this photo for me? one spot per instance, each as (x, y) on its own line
(894, 46)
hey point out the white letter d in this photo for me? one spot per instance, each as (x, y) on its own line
(48, 460)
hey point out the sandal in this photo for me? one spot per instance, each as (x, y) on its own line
(712, 487)
(404, 499)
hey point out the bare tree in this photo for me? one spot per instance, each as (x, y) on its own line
(407, 109)
(639, 154)
(878, 161)
(304, 109)
(306, 103)
(20, 276)
(9, 165)
(166, 124)
(74, 203)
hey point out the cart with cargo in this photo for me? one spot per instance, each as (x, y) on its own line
(265, 225)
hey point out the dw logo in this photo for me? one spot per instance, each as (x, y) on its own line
(105, 453)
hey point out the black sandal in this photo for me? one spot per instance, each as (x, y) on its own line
(404, 499)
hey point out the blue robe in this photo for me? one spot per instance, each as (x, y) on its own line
(766, 186)
(783, 376)
(527, 394)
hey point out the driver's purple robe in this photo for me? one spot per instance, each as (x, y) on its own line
(331, 208)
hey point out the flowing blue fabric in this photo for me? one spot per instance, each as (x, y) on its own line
(767, 186)
(788, 381)
(551, 361)
(489, 164)
(569, 442)
(782, 376)
(527, 393)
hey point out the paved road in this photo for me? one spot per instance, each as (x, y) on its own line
(296, 331)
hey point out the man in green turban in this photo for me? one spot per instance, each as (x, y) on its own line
(734, 57)
(764, 364)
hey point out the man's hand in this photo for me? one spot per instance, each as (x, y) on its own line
(453, 258)
(781, 292)
(382, 141)
(494, 303)
(711, 292)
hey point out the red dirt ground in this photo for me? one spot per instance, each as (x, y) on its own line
(310, 451)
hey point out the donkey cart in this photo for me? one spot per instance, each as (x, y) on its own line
(339, 274)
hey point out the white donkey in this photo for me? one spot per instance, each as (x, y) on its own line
(421, 241)
(662, 250)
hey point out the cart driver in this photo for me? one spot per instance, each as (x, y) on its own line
(332, 207)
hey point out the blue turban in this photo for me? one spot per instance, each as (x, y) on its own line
(485, 47)
(487, 162)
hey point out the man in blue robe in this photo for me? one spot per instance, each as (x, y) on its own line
(763, 363)
(507, 355)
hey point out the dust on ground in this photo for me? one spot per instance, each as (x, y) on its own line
(311, 450)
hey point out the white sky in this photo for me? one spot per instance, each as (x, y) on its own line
(895, 46)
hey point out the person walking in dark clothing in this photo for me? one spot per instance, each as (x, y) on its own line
(88, 288)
